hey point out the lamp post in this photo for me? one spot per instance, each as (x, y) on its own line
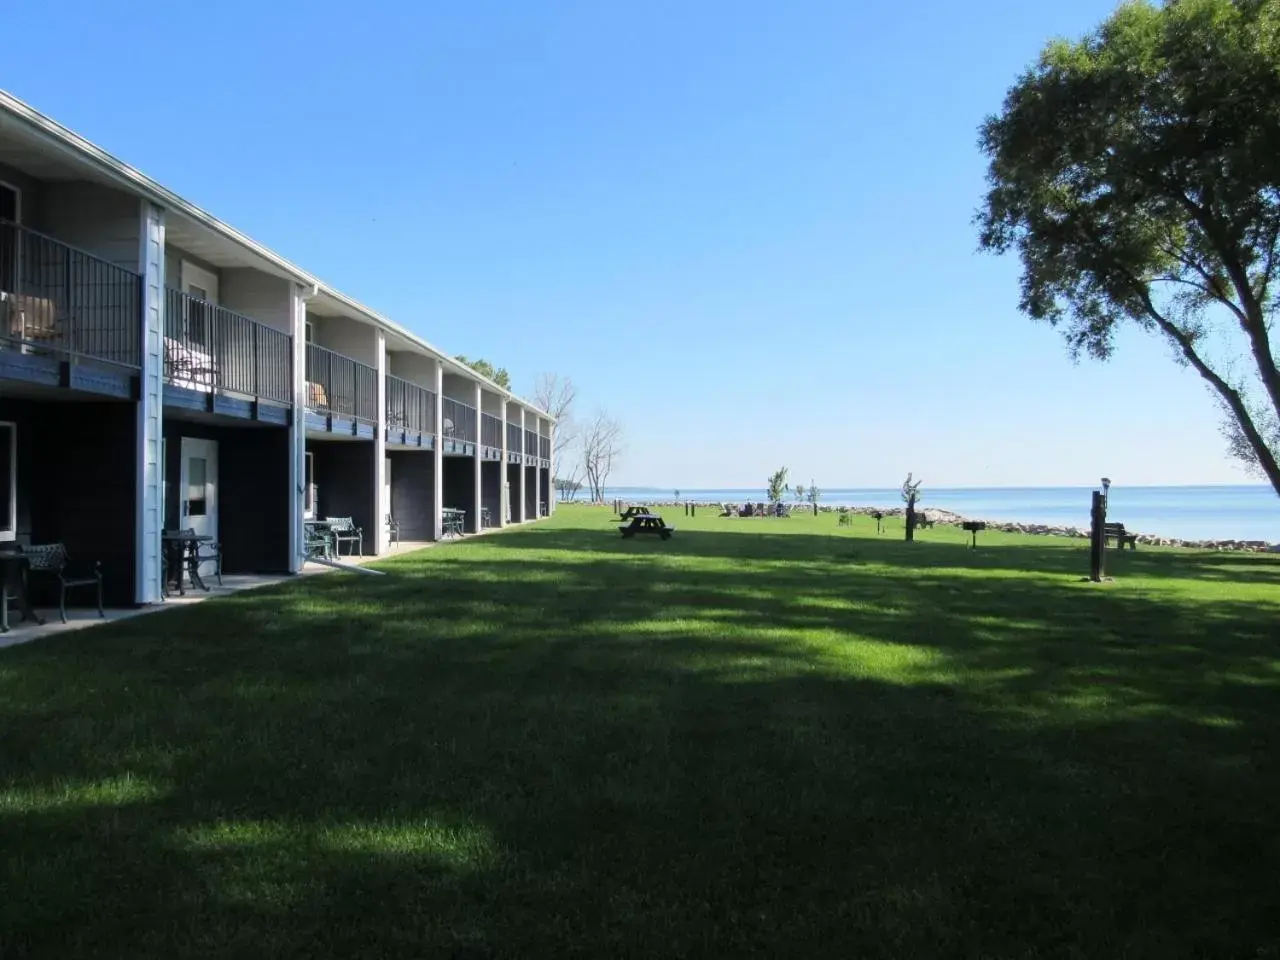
(1097, 533)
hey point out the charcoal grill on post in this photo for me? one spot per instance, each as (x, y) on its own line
(973, 526)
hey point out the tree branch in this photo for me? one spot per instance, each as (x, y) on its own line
(1230, 396)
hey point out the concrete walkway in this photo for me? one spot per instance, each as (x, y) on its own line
(79, 617)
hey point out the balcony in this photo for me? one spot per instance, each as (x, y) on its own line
(490, 431)
(513, 438)
(530, 445)
(210, 349)
(544, 448)
(341, 387)
(410, 408)
(57, 301)
(459, 421)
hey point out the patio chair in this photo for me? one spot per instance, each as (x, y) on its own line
(344, 530)
(52, 558)
(393, 529)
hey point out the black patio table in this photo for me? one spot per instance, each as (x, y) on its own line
(183, 549)
(13, 577)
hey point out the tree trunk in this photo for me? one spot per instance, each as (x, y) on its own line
(911, 520)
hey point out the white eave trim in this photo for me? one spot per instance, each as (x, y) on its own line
(81, 149)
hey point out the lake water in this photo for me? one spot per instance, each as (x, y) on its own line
(1190, 513)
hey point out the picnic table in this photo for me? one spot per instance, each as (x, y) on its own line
(453, 521)
(647, 523)
(13, 582)
(182, 552)
(630, 512)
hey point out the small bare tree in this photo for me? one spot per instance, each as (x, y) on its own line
(555, 394)
(910, 494)
(601, 442)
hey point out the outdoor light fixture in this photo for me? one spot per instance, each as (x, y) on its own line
(1106, 486)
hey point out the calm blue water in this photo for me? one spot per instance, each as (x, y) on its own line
(1189, 513)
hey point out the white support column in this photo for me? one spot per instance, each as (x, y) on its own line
(149, 436)
(504, 489)
(540, 495)
(298, 428)
(478, 493)
(381, 535)
(551, 459)
(523, 499)
(437, 471)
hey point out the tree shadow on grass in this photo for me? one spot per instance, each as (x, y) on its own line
(585, 752)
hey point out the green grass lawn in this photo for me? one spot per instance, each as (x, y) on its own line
(761, 738)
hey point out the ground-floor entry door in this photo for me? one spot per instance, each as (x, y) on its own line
(198, 490)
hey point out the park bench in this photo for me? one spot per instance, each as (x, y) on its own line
(923, 522)
(1117, 532)
(647, 523)
(846, 519)
(52, 559)
(344, 530)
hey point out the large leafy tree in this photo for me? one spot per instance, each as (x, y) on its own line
(1136, 173)
(483, 367)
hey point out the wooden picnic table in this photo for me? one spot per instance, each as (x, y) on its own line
(647, 523)
(630, 512)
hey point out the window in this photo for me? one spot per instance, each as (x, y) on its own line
(308, 334)
(8, 203)
(8, 480)
(10, 209)
(197, 497)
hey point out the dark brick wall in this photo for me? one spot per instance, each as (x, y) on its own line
(76, 485)
(515, 477)
(253, 491)
(491, 488)
(413, 493)
(460, 487)
(343, 474)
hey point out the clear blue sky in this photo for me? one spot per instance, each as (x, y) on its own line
(742, 227)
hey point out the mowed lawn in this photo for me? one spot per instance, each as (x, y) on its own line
(761, 738)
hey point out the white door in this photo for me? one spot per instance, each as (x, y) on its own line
(386, 497)
(198, 490)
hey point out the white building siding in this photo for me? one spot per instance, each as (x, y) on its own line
(259, 296)
(98, 220)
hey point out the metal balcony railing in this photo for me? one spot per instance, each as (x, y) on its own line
(208, 347)
(340, 385)
(459, 420)
(410, 407)
(490, 431)
(513, 437)
(61, 301)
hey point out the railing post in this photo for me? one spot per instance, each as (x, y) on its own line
(253, 353)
